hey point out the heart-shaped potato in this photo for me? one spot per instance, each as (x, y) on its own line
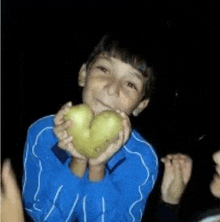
(93, 134)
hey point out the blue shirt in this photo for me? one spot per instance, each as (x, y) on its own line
(51, 192)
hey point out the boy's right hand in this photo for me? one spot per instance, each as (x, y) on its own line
(65, 141)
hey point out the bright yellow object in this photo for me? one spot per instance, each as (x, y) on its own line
(93, 134)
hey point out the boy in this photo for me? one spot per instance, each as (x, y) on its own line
(60, 184)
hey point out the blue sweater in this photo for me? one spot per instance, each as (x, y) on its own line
(51, 192)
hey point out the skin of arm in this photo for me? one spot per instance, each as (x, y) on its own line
(177, 172)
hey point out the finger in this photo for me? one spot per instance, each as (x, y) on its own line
(58, 119)
(126, 125)
(64, 143)
(59, 128)
(217, 169)
(120, 140)
(170, 156)
(184, 157)
(68, 104)
(162, 159)
(216, 157)
(112, 149)
(68, 146)
(75, 153)
(167, 163)
(187, 170)
(177, 170)
(126, 131)
(167, 159)
(125, 117)
(123, 114)
(177, 156)
(59, 132)
(188, 159)
(185, 161)
(180, 156)
(168, 170)
(61, 135)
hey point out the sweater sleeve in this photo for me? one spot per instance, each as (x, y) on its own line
(50, 191)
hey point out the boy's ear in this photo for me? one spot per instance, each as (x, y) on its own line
(82, 76)
(141, 106)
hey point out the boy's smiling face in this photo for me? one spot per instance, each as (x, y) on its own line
(109, 83)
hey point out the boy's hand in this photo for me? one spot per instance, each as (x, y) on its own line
(177, 172)
(97, 165)
(116, 145)
(65, 141)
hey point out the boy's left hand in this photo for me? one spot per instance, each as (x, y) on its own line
(116, 145)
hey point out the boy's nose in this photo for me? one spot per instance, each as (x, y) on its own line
(113, 88)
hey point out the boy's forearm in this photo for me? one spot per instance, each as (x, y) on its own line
(96, 173)
(78, 167)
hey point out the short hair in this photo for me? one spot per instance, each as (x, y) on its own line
(116, 45)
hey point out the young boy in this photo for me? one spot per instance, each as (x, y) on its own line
(59, 184)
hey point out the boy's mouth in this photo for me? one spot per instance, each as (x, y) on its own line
(107, 107)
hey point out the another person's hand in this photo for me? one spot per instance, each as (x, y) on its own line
(65, 141)
(177, 172)
(215, 184)
(97, 165)
(11, 202)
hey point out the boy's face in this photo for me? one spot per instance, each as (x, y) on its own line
(110, 83)
(215, 184)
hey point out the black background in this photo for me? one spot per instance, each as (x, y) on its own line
(44, 43)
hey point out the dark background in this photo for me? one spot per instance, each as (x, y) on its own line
(44, 43)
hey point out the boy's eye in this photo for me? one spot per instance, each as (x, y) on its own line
(103, 69)
(131, 85)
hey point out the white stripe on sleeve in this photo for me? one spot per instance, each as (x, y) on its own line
(55, 198)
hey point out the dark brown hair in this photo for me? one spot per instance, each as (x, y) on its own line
(113, 45)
